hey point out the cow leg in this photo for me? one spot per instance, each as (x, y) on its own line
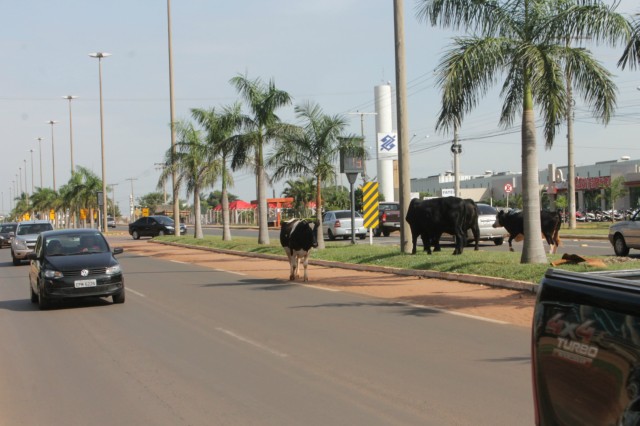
(293, 263)
(414, 240)
(426, 243)
(290, 256)
(510, 246)
(305, 263)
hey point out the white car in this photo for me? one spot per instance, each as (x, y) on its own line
(486, 219)
(625, 235)
(337, 223)
(25, 238)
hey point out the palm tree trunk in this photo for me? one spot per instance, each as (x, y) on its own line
(532, 249)
(263, 211)
(319, 232)
(226, 228)
(198, 216)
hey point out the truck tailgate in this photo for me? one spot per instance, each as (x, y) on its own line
(586, 349)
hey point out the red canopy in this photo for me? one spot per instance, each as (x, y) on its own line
(235, 205)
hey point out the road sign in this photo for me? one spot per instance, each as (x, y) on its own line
(508, 188)
(370, 204)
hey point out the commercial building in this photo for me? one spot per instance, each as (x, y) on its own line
(590, 182)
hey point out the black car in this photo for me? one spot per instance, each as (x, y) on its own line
(73, 263)
(7, 232)
(152, 226)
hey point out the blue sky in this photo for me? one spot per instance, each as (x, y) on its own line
(332, 52)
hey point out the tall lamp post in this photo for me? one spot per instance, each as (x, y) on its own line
(40, 150)
(174, 178)
(101, 55)
(31, 151)
(70, 98)
(53, 153)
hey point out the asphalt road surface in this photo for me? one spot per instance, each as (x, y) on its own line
(198, 346)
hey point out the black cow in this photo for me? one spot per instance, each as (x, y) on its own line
(298, 237)
(430, 218)
(513, 222)
(471, 222)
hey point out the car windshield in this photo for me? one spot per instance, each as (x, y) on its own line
(75, 244)
(5, 229)
(389, 207)
(164, 220)
(34, 228)
(346, 215)
(486, 209)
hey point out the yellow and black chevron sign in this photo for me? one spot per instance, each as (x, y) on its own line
(370, 204)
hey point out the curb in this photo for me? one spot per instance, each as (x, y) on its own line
(449, 276)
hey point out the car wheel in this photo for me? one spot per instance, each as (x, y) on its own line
(43, 302)
(386, 232)
(118, 297)
(498, 241)
(135, 235)
(330, 234)
(16, 261)
(362, 236)
(160, 233)
(377, 232)
(619, 246)
(34, 296)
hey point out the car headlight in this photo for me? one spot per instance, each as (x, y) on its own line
(168, 226)
(50, 273)
(113, 270)
(21, 244)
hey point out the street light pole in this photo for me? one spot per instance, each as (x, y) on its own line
(174, 177)
(31, 151)
(40, 150)
(70, 98)
(101, 55)
(53, 155)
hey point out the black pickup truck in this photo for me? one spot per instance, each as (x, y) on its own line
(586, 348)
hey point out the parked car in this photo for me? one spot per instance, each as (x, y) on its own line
(337, 223)
(625, 235)
(7, 231)
(111, 222)
(74, 263)
(25, 239)
(486, 219)
(152, 226)
(388, 218)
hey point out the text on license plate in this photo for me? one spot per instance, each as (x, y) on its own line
(85, 283)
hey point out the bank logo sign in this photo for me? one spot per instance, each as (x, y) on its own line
(388, 145)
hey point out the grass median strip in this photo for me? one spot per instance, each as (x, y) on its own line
(486, 263)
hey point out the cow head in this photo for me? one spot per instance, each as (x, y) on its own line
(499, 219)
(314, 229)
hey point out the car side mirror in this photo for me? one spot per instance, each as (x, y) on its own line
(32, 256)
(117, 250)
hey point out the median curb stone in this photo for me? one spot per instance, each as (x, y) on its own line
(450, 276)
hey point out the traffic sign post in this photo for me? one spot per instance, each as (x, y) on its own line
(370, 207)
(508, 188)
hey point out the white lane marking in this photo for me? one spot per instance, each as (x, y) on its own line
(460, 314)
(252, 343)
(321, 288)
(177, 261)
(234, 273)
(135, 292)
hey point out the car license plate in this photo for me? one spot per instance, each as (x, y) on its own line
(85, 283)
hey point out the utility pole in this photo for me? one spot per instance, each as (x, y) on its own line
(403, 127)
(113, 198)
(456, 148)
(132, 200)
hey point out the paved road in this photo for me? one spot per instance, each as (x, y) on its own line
(199, 346)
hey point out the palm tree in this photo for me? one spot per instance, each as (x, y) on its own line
(261, 128)
(45, 199)
(80, 192)
(219, 129)
(312, 150)
(525, 40)
(631, 54)
(194, 164)
(302, 191)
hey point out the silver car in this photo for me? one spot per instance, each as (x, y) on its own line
(25, 238)
(337, 223)
(486, 219)
(625, 235)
